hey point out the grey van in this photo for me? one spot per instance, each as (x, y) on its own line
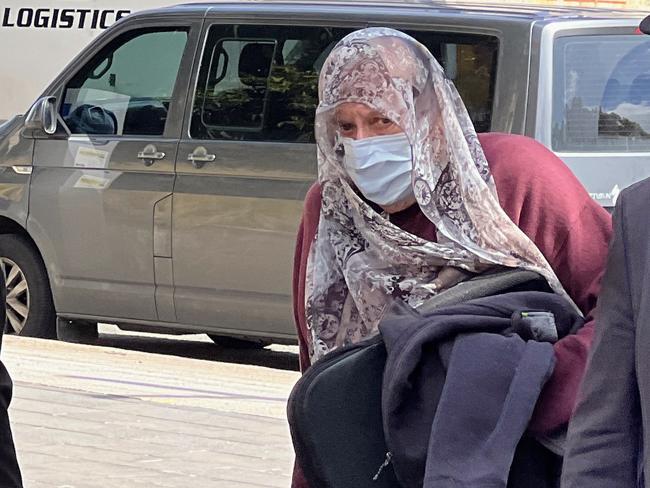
(158, 182)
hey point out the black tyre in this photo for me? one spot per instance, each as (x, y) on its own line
(30, 309)
(236, 343)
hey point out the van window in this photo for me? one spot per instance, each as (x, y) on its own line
(601, 89)
(260, 83)
(126, 89)
(470, 61)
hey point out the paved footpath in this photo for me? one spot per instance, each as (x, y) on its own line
(86, 416)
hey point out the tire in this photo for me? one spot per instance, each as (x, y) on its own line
(77, 331)
(30, 309)
(236, 343)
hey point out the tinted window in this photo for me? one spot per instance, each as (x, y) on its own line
(127, 88)
(602, 93)
(260, 82)
(470, 61)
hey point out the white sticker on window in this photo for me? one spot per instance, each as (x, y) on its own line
(89, 157)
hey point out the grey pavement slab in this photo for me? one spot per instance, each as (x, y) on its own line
(86, 416)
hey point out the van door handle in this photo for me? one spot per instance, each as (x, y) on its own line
(208, 158)
(150, 154)
(200, 156)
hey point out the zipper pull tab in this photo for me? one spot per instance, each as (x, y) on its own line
(387, 461)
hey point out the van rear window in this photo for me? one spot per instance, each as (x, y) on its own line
(601, 93)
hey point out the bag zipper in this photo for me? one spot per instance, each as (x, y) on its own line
(387, 461)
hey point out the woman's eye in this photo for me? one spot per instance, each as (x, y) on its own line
(383, 122)
(346, 127)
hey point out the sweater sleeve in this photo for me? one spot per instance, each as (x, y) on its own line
(543, 197)
(579, 264)
(306, 234)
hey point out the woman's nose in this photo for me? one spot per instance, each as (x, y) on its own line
(361, 132)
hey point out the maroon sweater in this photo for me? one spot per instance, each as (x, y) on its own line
(546, 201)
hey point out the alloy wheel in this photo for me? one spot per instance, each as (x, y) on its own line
(17, 296)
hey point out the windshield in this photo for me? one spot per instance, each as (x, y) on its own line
(601, 92)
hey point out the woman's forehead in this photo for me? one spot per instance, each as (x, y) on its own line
(355, 109)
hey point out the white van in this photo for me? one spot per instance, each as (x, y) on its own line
(38, 38)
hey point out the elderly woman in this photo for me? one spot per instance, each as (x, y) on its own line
(411, 201)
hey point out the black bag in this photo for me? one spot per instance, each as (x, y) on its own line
(338, 444)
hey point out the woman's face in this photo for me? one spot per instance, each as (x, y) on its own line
(358, 121)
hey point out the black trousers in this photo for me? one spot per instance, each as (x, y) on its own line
(534, 466)
(9, 471)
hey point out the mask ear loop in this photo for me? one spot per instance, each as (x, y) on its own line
(339, 149)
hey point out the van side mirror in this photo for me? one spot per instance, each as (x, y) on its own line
(42, 117)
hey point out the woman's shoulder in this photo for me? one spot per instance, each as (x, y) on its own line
(512, 151)
(517, 160)
(531, 179)
(311, 212)
(312, 198)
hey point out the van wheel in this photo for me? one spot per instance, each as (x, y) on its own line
(235, 343)
(30, 309)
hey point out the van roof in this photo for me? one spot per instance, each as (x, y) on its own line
(525, 12)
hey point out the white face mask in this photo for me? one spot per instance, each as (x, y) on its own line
(380, 167)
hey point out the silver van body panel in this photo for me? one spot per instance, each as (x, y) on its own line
(15, 171)
(92, 207)
(94, 225)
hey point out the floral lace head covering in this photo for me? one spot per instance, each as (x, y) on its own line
(360, 262)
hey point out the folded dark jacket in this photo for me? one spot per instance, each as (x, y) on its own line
(461, 383)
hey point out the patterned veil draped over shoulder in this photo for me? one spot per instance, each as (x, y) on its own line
(359, 261)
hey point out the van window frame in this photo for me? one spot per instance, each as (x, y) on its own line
(174, 122)
(228, 18)
(266, 97)
(539, 122)
(566, 146)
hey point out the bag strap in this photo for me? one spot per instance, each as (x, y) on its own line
(483, 285)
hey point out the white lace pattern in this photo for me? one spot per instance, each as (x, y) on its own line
(360, 261)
